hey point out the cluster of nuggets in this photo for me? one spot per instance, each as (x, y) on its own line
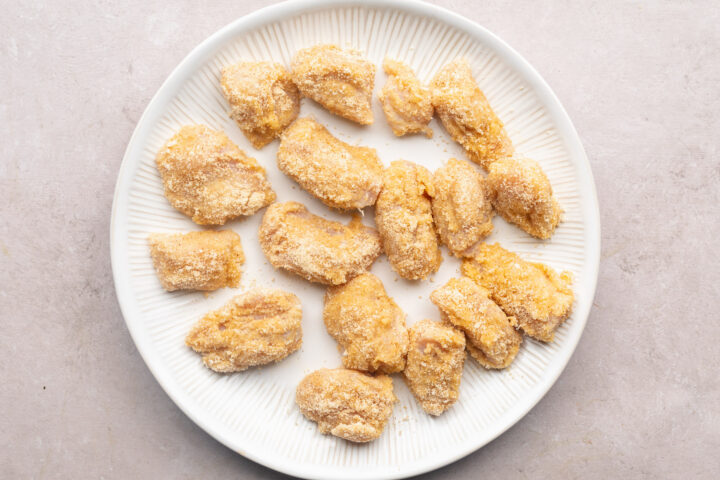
(485, 312)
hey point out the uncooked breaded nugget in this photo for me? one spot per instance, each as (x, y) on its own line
(340, 80)
(208, 178)
(347, 403)
(461, 208)
(406, 103)
(491, 336)
(467, 115)
(317, 249)
(533, 293)
(434, 365)
(255, 328)
(521, 193)
(338, 174)
(404, 219)
(263, 98)
(367, 324)
(197, 260)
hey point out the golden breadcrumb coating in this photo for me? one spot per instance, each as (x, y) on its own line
(197, 260)
(404, 219)
(461, 208)
(467, 115)
(533, 293)
(521, 193)
(491, 336)
(314, 248)
(208, 178)
(347, 403)
(338, 174)
(258, 327)
(342, 81)
(406, 103)
(434, 365)
(263, 98)
(367, 324)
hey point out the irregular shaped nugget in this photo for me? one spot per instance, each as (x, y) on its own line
(208, 178)
(340, 80)
(406, 103)
(197, 260)
(346, 403)
(467, 115)
(367, 324)
(491, 336)
(533, 293)
(255, 328)
(404, 219)
(340, 175)
(461, 208)
(434, 365)
(521, 193)
(263, 98)
(314, 248)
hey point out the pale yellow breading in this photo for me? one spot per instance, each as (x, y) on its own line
(434, 365)
(521, 193)
(406, 102)
(197, 260)
(255, 328)
(208, 178)
(342, 81)
(461, 208)
(467, 115)
(347, 403)
(491, 336)
(403, 217)
(263, 98)
(340, 175)
(367, 324)
(533, 293)
(314, 248)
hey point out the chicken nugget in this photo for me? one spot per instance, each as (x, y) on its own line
(338, 174)
(208, 178)
(342, 81)
(404, 219)
(314, 248)
(533, 293)
(255, 328)
(347, 403)
(407, 104)
(197, 260)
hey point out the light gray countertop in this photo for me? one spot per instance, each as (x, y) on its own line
(641, 395)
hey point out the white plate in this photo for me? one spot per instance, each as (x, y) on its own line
(254, 412)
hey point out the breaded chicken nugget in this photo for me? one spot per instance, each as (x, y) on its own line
(208, 178)
(533, 293)
(255, 328)
(434, 365)
(467, 115)
(346, 403)
(314, 248)
(263, 98)
(338, 174)
(367, 324)
(521, 193)
(406, 103)
(404, 219)
(491, 336)
(340, 80)
(461, 208)
(197, 260)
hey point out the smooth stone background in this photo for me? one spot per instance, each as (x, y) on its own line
(639, 399)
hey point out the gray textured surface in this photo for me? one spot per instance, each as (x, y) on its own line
(640, 397)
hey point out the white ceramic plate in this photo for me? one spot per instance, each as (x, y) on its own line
(254, 412)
